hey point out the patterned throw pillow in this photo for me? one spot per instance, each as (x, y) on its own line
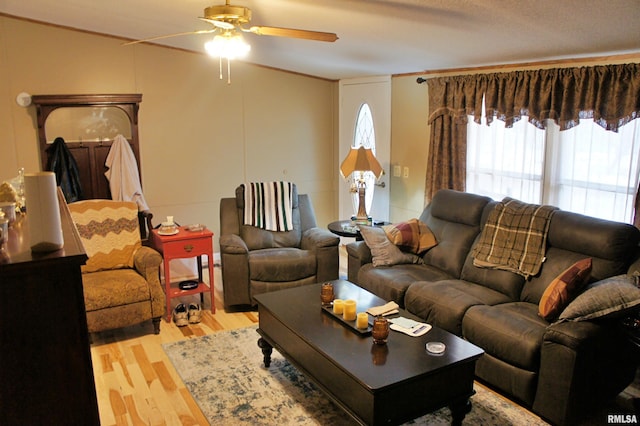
(109, 232)
(611, 297)
(563, 289)
(413, 236)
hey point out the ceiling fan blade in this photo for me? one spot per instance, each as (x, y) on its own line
(219, 24)
(170, 35)
(293, 33)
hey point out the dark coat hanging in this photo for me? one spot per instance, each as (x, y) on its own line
(61, 162)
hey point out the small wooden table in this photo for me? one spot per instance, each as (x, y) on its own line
(185, 244)
(344, 228)
(375, 384)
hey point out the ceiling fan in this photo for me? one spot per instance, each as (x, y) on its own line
(228, 19)
(228, 22)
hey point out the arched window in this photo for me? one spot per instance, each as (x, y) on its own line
(364, 135)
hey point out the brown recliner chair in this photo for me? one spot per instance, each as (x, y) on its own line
(120, 279)
(257, 261)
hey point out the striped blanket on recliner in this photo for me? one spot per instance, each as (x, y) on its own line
(268, 205)
(514, 237)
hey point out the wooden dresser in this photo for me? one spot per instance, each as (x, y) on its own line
(46, 375)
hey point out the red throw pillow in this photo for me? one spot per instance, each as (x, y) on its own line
(563, 289)
(413, 236)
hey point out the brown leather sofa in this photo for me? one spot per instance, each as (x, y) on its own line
(559, 370)
(256, 260)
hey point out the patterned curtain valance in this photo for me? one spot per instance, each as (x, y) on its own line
(609, 94)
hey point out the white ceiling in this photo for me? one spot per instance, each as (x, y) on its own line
(377, 37)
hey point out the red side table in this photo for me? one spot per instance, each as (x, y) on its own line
(185, 244)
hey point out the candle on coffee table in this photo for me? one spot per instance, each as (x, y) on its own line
(338, 306)
(349, 312)
(362, 320)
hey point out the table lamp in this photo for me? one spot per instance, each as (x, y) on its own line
(361, 160)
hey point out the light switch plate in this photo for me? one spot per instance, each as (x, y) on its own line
(406, 172)
(396, 171)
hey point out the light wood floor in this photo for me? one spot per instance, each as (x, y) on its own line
(135, 381)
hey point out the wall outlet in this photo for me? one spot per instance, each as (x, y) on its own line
(396, 171)
(406, 172)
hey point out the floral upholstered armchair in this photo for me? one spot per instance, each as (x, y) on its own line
(121, 277)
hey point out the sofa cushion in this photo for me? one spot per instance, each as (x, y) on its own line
(281, 264)
(456, 207)
(256, 238)
(506, 282)
(615, 243)
(563, 289)
(383, 252)
(572, 237)
(512, 332)
(614, 296)
(392, 283)
(444, 303)
(109, 231)
(112, 288)
(413, 236)
(454, 218)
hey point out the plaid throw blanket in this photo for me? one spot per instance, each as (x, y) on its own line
(268, 205)
(514, 237)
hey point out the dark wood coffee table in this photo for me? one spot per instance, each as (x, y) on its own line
(388, 384)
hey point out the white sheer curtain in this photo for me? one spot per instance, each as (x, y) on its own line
(594, 171)
(585, 169)
(505, 161)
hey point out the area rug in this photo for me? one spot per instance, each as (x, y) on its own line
(225, 375)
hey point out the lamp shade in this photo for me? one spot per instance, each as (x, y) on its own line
(360, 160)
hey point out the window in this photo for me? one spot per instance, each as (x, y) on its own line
(505, 162)
(364, 135)
(585, 169)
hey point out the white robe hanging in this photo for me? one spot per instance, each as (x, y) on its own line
(123, 175)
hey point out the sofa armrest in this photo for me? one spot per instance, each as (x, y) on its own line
(234, 258)
(325, 246)
(573, 334)
(232, 244)
(581, 363)
(147, 262)
(358, 255)
(634, 268)
(314, 238)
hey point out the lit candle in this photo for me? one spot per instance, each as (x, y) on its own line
(362, 320)
(338, 306)
(349, 312)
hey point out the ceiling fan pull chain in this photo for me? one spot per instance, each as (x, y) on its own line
(220, 61)
(228, 71)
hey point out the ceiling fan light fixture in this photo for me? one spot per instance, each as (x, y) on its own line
(228, 46)
(227, 21)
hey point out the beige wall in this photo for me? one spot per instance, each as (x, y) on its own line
(409, 147)
(199, 137)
